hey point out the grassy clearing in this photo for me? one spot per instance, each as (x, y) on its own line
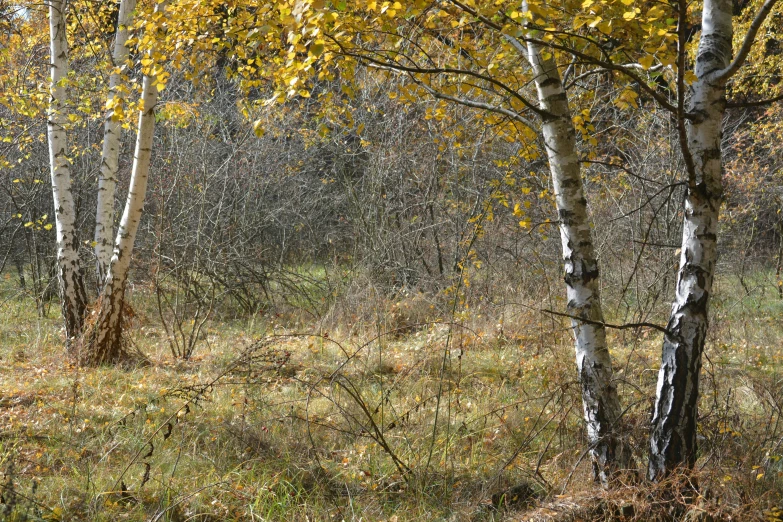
(428, 422)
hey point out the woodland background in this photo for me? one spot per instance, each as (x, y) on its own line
(345, 297)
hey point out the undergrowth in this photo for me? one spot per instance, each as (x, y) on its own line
(403, 413)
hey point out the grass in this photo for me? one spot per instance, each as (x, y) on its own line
(423, 423)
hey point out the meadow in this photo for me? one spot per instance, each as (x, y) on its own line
(383, 411)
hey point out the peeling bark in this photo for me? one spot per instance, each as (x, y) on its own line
(107, 178)
(600, 400)
(673, 434)
(72, 294)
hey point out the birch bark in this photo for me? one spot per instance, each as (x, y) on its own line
(600, 400)
(107, 178)
(72, 294)
(105, 345)
(673, 434)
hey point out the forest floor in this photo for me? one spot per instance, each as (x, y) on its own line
(465, 419)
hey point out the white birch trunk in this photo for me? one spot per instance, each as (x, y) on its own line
(106, 342)
(600, 400)
(107, 178)
(673, 435)
(72, 294)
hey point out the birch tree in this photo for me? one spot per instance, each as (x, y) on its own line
(188, 49)
(104, 342)
(673, 434)
(101, 344)
(107, 177)
(697, 101)
(601, 403)
(72, 293)
(483, 72)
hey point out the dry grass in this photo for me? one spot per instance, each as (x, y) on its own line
(425, 422)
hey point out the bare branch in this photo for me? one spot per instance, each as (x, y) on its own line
(760, 103)
(626, 326)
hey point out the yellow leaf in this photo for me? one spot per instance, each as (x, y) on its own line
(317, 48)
(258, 129)
(646, 61)
(48, 226)
(630, 15)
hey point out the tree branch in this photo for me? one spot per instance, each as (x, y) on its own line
(386, 63)
(747, 43)
(624, 169)
(609, 325)
(761, 103)
(476, 104)
(682, 132)
(607, 63)
(611, 66)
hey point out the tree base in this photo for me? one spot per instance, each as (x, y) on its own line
(105, 342)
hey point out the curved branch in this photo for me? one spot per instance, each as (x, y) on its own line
(476, 105)
(440, 70)
(747, 43)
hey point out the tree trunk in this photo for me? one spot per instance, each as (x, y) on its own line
(673, 435)
(72, 295)
(107, 178)
(600, 400)
(105, 343)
